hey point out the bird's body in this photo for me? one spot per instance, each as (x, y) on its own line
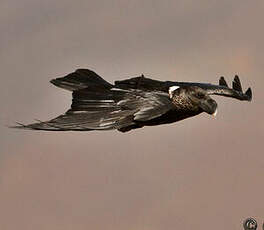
(133, 103)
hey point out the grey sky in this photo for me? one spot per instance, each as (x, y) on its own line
(201, 173)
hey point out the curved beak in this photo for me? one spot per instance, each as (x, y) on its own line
(209, 106)
(215, 113)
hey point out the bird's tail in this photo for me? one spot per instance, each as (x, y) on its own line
(81, 79)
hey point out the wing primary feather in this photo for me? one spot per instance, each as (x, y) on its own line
(19, 126)
(223, 82)
(237, 84)
(249, 94)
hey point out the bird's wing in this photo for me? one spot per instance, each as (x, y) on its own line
(142, 83)
(149, 105)
(143, 105)
(106, 109)
(235, 92)
(222, 89)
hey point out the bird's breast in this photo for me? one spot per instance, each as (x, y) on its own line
(182, 103)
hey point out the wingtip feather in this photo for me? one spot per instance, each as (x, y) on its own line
(249, 94)
(53, 81)
(223, 82)
(237, 84)
(19, 126)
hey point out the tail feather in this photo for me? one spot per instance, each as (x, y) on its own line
(81, 79)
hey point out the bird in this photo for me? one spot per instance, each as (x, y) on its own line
(133, 103)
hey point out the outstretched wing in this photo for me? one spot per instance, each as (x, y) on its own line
(222, 89)
(138, 104)
(107, 109)
(235, 92)
(143, 83)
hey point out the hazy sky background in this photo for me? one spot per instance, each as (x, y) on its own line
(201, 173)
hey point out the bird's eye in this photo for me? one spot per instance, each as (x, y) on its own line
(200, 95)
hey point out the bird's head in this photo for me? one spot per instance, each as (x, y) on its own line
(195, 96)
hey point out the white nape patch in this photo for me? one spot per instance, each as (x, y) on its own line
(172, 89)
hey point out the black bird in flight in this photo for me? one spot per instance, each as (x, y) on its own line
(133, 103)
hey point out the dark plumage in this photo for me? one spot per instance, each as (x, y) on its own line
(133, 103)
